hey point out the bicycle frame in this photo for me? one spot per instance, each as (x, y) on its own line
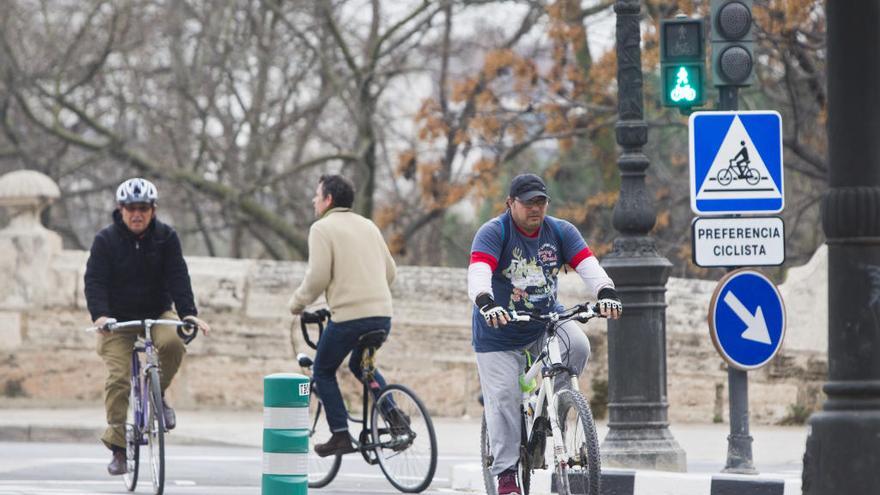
(549, 364)
(140, 371)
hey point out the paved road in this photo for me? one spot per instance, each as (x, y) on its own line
(79, 469)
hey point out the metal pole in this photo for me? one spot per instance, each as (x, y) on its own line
(638, 435)
(843, 449)
(739, 442)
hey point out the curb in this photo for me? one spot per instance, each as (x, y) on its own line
(469, 477)
(79, 434)
(53, 434)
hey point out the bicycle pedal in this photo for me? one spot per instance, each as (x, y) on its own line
(304, 360)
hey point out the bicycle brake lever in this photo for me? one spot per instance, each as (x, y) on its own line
(188, 332)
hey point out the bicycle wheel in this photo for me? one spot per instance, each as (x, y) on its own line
(724, 176)
(406, 445)
(322, 470)
(524, 470)
(580, 472)
(156, 432)
(132, 435)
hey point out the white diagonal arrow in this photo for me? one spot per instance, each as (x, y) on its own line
(756, 327)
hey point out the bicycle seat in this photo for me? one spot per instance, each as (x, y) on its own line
(373, 338)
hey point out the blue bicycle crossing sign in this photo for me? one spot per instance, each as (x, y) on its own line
(736, 162)
(746, 319)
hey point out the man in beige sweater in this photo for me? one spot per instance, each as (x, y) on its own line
(350, 263)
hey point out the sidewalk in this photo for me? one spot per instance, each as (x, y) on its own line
(777, 451)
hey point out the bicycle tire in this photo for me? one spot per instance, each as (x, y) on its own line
(524, 471)
(132, 435)
(724, 177)
(582, 473)
(156, 432)
(406, 441)
(322, 470)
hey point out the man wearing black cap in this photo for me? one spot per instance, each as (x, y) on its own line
(515, 260)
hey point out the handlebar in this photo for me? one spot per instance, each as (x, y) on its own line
(318, 317)
(581, 312)
(186, 330)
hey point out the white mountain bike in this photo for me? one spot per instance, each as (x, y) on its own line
(563, 414)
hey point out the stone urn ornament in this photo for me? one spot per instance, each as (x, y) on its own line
(26, 246)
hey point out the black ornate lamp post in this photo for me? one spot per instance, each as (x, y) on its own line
(843, 449)
(638, 433)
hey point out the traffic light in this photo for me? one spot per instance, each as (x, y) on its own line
(682, 66)
(733, 59)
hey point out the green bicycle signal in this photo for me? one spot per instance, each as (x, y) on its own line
(685, 86)
(681, 62)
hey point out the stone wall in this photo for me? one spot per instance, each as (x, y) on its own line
(46, 357)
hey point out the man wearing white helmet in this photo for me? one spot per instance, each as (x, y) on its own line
(136, 271)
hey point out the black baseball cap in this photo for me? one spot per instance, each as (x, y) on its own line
(527, 186)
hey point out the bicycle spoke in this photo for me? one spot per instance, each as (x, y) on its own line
(322, 470)
(132, 435)
(406, 447)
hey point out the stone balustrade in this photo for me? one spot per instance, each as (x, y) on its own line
(47, 358)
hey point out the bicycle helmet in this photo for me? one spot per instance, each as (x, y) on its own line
(136, 190)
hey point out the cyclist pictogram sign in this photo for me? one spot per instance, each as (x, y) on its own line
(736, 162)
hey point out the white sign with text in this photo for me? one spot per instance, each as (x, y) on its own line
(738, 241)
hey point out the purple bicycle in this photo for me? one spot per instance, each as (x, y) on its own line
(145, 420)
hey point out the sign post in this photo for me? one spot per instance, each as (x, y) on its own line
(736, 169)
(747, 323)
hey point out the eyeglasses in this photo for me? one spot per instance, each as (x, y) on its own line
(138, 207)
(534, 203)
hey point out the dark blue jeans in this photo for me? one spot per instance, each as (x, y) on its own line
(337, 341)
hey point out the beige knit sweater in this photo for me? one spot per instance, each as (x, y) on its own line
(350, 262)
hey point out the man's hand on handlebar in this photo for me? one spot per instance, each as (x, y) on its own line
(609, 303)
(102, 324)
(494, 314)
(317, 317)
(200, 324)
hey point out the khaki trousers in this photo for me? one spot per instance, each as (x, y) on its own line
(115, 350)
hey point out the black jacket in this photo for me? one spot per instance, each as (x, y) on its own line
(132, 277)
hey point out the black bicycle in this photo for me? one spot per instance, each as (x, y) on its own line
(145, 420)
(563, 414)
(396, 433)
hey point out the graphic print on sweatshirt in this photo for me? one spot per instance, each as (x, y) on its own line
(530, 281)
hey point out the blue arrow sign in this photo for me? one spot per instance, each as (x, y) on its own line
(736, 162)
(747, 319)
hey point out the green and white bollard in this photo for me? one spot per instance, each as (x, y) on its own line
(285, 434)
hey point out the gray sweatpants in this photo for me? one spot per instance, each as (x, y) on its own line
(499, 379)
